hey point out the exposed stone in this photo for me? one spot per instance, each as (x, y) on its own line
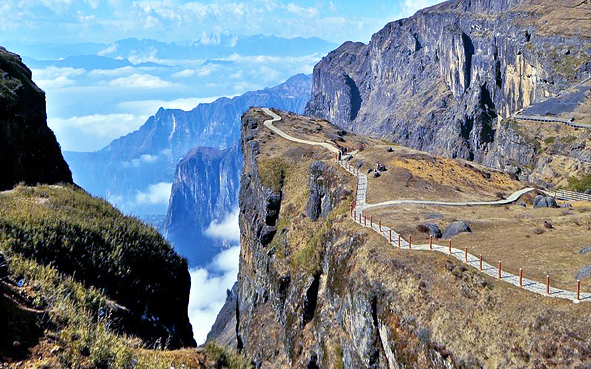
(542, 201)
(457, 227)
(323, 192)
(430, 228)
(434, 216)
(584, 272)
(29, 152)
(447, 80)
(585, 250)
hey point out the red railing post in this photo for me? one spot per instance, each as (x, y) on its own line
(365, 220)
(480, 259)
(578, 290)
(430, 242)
(466, 254)
(547, 284)
(410, 241)
(450, 247)
(499, 276)
(520, 278)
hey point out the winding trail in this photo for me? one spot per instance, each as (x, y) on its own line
(395, 239)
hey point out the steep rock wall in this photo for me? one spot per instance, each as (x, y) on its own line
(442, 80)
(29, 152)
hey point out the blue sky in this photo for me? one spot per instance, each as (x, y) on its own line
(72, 21)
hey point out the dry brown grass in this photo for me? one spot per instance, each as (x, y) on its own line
(416, 175)
(509, 233)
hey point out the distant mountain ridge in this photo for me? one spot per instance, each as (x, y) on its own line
(128, 166)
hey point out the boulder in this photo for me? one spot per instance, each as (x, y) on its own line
(584, 272)
(430, 228)
(542, 201)
(457, 227)
(585, 250)
(434, 216)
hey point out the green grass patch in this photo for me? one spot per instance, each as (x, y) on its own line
(226, 358)
(579, 184)
(550, 140)
(272, 172)
(86, 237)
(569, 139)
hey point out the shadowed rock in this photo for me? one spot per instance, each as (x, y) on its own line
(456, 228)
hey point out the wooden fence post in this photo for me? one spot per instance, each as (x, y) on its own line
(410, 241)
(466, 254)
(371, 221)
(380, 222)
(547, 284)
(390, 236)
(480, 259)
(365, 220)
(399, 240)
(499, 277)
(430, 242)
(450, 246)
(578, 290)
(520, 278)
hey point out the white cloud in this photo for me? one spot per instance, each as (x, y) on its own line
(301, 11)
(184, 73)
(208, 291)
(104, 125)
(141, 81)
(134, 163)
(157, 194)
(150, 107)
(227, 229)
(56, 77)
(409, 7)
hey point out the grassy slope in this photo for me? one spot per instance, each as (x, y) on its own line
(477, 318)
(51, 234)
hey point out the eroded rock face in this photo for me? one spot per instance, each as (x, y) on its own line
(205, 189)
(441, 80)
(29, 152)
(322, 194)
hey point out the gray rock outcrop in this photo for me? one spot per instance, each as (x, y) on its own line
(323, 192)
(431, 228)
(29, 151)
(457, 227)
(584, 272)
(542, 201)
(445, 79)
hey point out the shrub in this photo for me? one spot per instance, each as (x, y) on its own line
(226, 358)
(579, 184)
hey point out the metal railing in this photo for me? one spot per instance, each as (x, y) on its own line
(572, 196)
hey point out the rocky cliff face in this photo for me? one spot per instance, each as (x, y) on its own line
(442, 80)
(205, 189)
(29, 152)
(149, 155)
(316, 291)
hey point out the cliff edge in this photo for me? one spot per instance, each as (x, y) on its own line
(29, 152)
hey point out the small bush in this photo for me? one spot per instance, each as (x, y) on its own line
(226, 358)
(550, 140)
(579, 184)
